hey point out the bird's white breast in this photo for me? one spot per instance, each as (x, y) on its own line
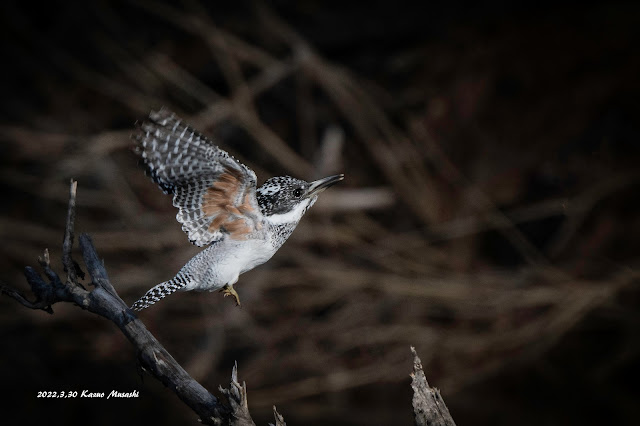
(230, 258)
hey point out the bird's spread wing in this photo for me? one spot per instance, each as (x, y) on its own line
(214, 192)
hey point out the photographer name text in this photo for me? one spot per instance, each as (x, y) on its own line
(88, 394)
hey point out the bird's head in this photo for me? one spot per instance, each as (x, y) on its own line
(284, 199)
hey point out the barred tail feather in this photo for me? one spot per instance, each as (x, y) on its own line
(158, 292)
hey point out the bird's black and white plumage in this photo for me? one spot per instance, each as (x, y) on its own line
(219, 205)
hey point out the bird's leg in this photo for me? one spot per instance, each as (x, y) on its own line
(228, 290)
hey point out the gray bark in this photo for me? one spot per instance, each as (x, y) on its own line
(429, 408)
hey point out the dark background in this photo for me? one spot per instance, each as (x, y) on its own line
(488, 218)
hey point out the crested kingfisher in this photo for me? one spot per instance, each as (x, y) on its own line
(219, 205)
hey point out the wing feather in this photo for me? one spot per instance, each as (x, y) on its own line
(214, 192)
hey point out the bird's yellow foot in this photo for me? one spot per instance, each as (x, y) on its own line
(228, 290)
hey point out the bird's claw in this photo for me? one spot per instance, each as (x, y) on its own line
(228, 290)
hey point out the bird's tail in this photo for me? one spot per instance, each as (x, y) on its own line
(158, 292)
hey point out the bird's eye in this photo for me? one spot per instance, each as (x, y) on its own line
(297, 192)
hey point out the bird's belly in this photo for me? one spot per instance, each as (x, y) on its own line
(258, 255)
(229, 261)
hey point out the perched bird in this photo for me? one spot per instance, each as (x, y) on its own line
(219, 205)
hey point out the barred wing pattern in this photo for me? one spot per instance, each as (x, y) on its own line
(215, 193)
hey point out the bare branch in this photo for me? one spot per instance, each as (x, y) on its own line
(45, 304)
(103, 300)
(279, 419)
(237, 397)
(428, 406)
(67, 243)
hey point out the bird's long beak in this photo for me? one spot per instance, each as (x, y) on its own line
(317, 186)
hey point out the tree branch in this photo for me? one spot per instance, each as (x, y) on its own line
(103, 300)
(429, 408)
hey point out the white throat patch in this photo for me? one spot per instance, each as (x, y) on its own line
(294, 215)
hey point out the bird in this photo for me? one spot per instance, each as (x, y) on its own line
(219, 205)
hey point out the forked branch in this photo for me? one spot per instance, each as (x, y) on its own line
(103, 300)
